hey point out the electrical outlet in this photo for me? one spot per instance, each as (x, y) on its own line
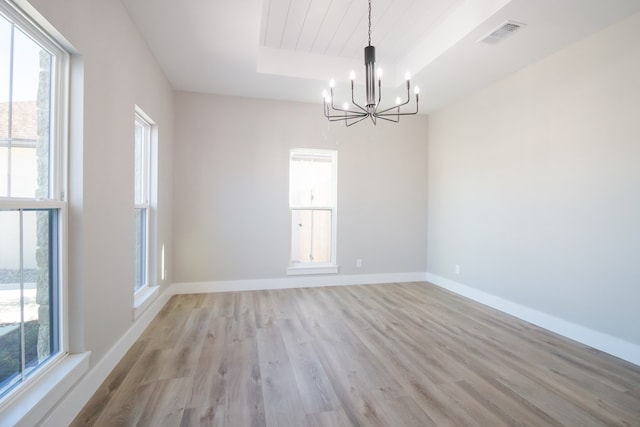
(358, 263)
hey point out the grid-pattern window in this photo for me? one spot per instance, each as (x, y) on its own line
(33, 78)
(312, 201)
(142, 186)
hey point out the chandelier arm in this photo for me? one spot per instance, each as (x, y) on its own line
(388, 119)
(413, 113)
(345, 119)
(399, 105)
(392, 108)
(358, 113)
(359, 106)
(354, 122)
(336, 117)
(333, 107)
(381, 114)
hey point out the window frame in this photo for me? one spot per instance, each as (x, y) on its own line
(304, 268)
(145, 204)
(148, 291)
(54, 202)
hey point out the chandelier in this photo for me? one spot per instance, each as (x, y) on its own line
(356, 113)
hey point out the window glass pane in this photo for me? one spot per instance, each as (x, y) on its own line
(38, 288)
(24, 121)
(30, 115)
(311, 236)
(26, 67)
(5, 50)
(28, 313)
(311, 182)
(24, 172)
(139, 163)
(4, 169)
(140, 247)
(5, 82)
(10, 307)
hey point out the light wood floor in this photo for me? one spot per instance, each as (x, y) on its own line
(379, 355)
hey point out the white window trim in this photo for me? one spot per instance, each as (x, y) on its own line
(308, 268)
(30, 401)
(148, 292)
(37, 394)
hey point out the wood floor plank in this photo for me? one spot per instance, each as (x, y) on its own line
(314, 386)
(328, 419)
(283, 405)
(407, 354)
(166, 403)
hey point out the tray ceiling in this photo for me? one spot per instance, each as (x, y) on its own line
(288, 49)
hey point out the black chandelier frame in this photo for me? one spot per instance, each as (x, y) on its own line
(372, 108)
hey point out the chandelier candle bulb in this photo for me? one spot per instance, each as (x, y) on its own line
(379, 73)
(407, 76)
(345, 106)
(398, 101)
(332, 83)
(352, 75)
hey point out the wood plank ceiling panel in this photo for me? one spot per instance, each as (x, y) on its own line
(339, 27)
(352, 17)
(318, 11)
(298, 13)
(277, 19)
(333, 20)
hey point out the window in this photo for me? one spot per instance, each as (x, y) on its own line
(33, 78)
(142, 188)
(312, 201)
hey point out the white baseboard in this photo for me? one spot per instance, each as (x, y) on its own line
(64, 413)
(598, 340)
(295, 282)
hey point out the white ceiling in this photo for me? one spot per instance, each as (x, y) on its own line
(288, 49)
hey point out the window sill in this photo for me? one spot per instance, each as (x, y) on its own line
(143, 299)
(312, 269)
(31, 401)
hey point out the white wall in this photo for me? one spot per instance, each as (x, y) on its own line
(114, 71)
(534, 185)
(231, 220)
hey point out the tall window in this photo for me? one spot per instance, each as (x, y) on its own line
(312, 201)
(33, 76)
(143, 128)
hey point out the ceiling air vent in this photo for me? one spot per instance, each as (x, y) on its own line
(505, 30)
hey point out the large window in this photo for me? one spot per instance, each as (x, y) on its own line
(142, 173)
(33, 75)
(312, 201)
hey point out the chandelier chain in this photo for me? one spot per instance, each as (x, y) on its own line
(369, 22)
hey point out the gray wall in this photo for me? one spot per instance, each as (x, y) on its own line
(114, 71)
(534, 185)
(231, 218)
